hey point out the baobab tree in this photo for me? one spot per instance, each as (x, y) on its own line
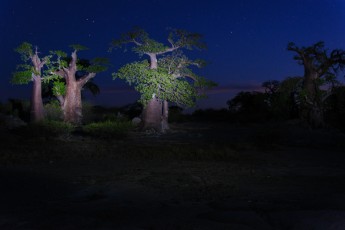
(161, 80)
(31, 71)
(320, 68)
(68, 91)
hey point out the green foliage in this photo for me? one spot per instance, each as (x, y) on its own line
(21, 77)
(96, 65)
(95, 68)
(53, 111)
(150, 82)
(140, 38)
(24, 72)
(55, 71)
(109, 129)
(50, 77)
(150, 46)
(78, 47)
(59, 53)
(25, 50)
(168, 82)
(100, 61)
(173, 80)
(59, 88)
(55, 127)
(186, 39)
(144, 44)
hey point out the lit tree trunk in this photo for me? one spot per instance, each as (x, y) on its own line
(72, 107)
(154, 113)
(72, 103)
(37, 111)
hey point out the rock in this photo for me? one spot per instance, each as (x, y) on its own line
(136, 121)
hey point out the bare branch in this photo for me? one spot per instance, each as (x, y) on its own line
(73, 63)
(136, 42)
(61, 73)
(43, 63)
(61, 99)
(171, 42)
(82, 81)
(168, 50)
(186, 75)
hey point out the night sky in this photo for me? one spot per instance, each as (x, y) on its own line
(246, 39)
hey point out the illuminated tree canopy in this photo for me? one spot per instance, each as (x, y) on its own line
(67, 75)
(169, 78)
(173, 80)
(31, 71)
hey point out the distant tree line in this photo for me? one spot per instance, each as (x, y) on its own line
(317, 98)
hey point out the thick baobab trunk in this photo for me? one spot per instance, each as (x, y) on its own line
(72, 107)
(37, 111)
(71, 103)
(155, 113)
(152, 115)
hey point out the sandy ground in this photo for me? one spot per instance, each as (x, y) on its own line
(294, 182)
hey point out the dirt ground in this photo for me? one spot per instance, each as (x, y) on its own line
(199, 176)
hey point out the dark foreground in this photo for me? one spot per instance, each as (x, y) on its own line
(200, 176)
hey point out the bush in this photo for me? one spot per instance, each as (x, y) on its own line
(89, 115)
(58, 127)
(53, 111)
(45, 129)
(109, 129)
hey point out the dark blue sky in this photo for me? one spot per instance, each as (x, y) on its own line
(246, 39)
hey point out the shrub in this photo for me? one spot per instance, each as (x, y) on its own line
(53, 111)
(58, 127)
(109, 129)
(45, 129)
(89, 115)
